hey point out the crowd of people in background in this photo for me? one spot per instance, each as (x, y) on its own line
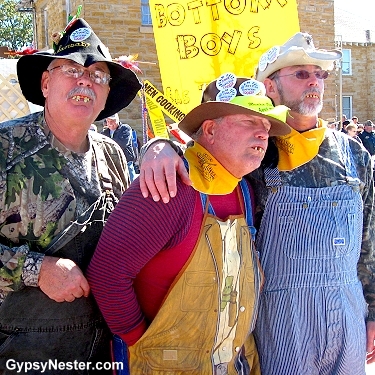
(362, 132)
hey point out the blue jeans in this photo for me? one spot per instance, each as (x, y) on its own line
(131, 170)
(120, 353)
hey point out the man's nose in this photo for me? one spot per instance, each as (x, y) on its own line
(85, 79)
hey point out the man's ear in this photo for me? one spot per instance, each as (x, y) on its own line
(208, 130)
(271, 88)
(44, 83)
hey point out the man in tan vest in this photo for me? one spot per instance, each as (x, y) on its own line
(179, 283)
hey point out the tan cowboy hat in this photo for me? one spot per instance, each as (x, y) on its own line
(229, 95)
(298, 50)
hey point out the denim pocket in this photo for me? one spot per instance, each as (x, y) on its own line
(120, 353)
(301, 226)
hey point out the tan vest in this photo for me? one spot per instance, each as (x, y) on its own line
(210, 309)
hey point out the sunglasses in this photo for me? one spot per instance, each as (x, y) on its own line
(304, 74)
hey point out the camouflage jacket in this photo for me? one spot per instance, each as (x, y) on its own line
(327, 169)
(43, 188)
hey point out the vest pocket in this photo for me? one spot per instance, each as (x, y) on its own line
(197, 293)
(181, 359)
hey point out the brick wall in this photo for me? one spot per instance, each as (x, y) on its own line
(55, 21)
(360, 84)
(317, 18)
(118, 25)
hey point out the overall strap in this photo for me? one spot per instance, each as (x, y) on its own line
(246, 198)
(203, 196)
(272, 178)
(248, 206)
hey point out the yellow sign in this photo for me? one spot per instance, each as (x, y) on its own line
(166, 105)
(157, 103)
(159, 127)
(197, 41)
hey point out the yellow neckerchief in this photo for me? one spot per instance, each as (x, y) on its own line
(296, 149)
(206, 174)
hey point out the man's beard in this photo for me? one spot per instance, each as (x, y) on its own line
(299, 106)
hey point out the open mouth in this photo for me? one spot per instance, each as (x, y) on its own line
(261, 150)
(313, 96)
(79, 98)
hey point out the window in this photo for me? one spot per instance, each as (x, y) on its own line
(145, 12)
(347, 106)
(346, 63)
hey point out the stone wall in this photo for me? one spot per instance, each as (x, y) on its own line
(361, 83)
(118, 25)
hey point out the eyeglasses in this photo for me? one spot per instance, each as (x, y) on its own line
(304, 74)
(97, 76)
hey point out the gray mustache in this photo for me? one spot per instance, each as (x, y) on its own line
(85, 91)
(313, 90)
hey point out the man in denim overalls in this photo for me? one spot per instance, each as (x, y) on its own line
(316, 233)
(314, 195)
(58, 184)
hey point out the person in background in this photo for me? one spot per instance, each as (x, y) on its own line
(184, 278)
(352, 131)
(368, 136)
(93, 127)
(345, 124)
(355, 119)
(315, 205)
(123, 135)
(59, 182)
(331, 123)
(137, 148)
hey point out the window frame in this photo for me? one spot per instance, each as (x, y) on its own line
(347, 110)
(346, 62)
(146, 19)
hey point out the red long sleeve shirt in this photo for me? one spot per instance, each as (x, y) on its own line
(143, 247)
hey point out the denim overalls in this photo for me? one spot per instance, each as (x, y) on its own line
(312, 311)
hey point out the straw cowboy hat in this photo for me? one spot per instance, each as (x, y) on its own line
(78, 43)
(298, 50)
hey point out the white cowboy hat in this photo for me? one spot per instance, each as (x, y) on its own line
(298, 50)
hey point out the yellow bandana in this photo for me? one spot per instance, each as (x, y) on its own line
(296, 149)
(207, 174)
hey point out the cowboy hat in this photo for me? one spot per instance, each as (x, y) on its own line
(229, 95)
(80, 44)
(298, 50)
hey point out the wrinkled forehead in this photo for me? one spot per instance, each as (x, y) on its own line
(230, 119)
